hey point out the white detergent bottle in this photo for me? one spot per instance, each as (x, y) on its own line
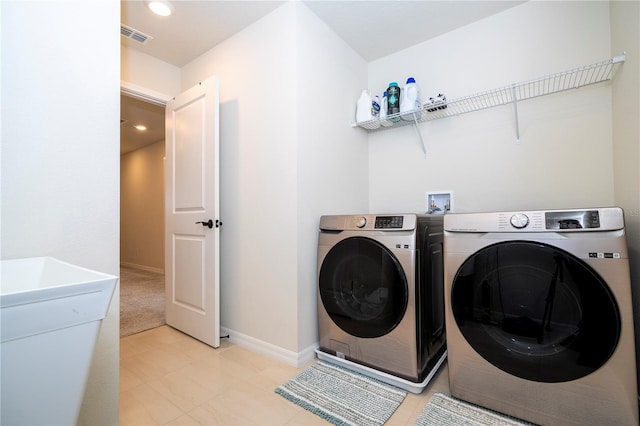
(375, 106)
(383, 111)
(363, 107)
(383, 106)
(410, 100)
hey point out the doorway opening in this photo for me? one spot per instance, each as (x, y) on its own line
(142, 283)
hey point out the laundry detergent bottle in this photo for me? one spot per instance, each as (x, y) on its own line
(383, 111)
(375, 106)
(393, 100)
(410, 100)
(363, 107)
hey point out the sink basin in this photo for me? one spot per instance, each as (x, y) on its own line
(50, 316)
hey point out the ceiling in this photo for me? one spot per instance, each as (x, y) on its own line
(373, 29)
(134, 112)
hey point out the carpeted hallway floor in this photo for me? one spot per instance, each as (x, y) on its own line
(142, 300)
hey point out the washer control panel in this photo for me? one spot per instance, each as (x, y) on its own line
(570, 220)
(553, 220)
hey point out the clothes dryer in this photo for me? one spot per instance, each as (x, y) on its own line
(539, 315)
(380, 292)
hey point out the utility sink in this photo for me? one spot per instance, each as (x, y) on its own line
(50, 317)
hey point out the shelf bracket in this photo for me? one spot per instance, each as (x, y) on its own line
(515, 111)
(619, 58)
(415, 126)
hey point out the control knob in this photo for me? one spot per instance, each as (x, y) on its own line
(361, 222)
(519, 220)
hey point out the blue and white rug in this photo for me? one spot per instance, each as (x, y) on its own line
(445, 410)
(342, 396)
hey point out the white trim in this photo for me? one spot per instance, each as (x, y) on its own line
(142, 267)
(144, 94)
(295, 359)
(308, 354)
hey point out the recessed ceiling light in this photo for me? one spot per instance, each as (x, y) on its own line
(160, 7)
(141, 127)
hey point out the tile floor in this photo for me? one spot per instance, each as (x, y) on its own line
(168, 378)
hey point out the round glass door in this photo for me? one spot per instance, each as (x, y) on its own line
(363, 287)
(535, 311)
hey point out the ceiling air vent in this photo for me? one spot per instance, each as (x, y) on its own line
(134, 34)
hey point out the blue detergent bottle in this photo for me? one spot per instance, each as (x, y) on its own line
(393, 100)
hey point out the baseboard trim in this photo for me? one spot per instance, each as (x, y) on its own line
(144, 268)
(295, 359)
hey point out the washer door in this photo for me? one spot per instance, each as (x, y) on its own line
(535, 311)
(363, 287)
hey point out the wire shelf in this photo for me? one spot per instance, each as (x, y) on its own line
(547, 85)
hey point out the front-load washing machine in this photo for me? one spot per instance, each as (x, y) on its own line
(380, 293)
(539, 315)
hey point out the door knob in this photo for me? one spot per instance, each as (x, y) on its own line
(208, 223)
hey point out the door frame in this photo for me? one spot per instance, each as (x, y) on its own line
(143, 94)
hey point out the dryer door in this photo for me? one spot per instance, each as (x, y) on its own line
(363, 287)
(535, 311)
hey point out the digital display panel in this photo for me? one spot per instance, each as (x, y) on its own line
(389, 222)
(572, 219)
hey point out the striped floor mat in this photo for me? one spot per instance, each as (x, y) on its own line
(342, 396)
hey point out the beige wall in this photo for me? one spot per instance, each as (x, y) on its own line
(288, 155)
(625, 36)
(625, 30)
(564, 158)
(155, 77)
(142, 208)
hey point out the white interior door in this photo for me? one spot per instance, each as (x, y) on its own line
(192, 212)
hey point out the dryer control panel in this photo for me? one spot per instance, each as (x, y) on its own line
(369, 222)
